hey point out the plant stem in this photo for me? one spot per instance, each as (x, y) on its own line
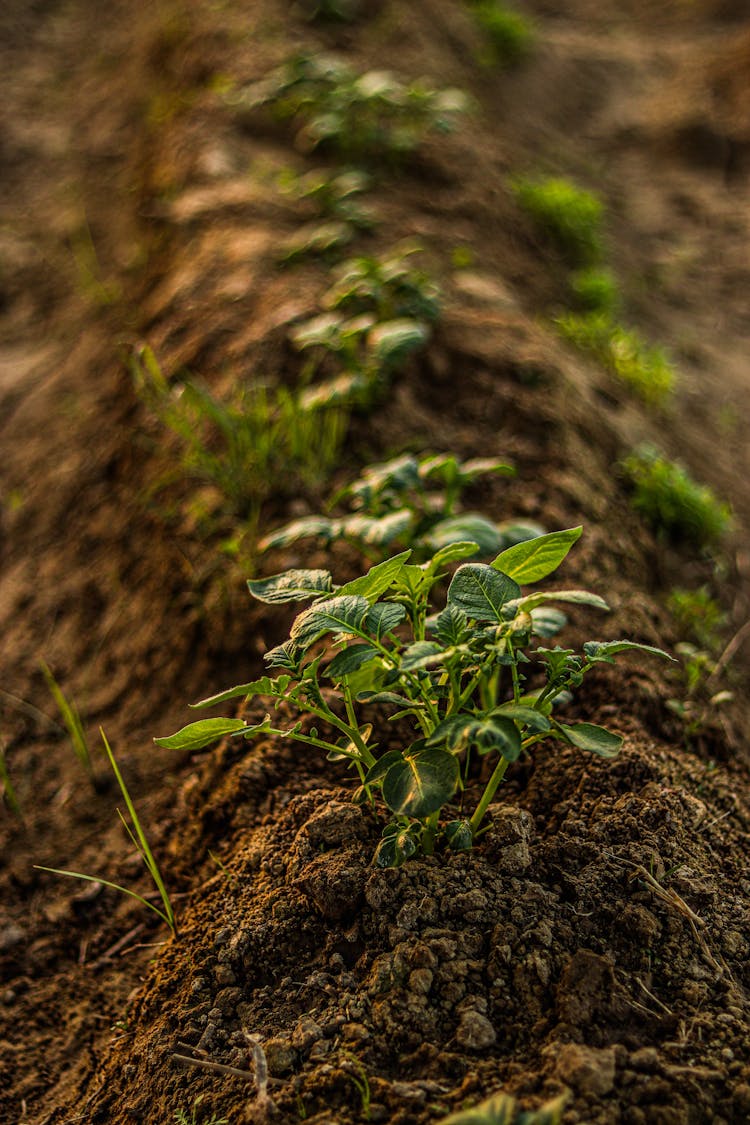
(428, 836)
(489, 793)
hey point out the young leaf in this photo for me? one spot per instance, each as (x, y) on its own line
(526, 716)
(308, 528)
(377, 580)
(197, 735)
(574, 597)
(588, 736)
(395, 848)
(264, 686)
(350, 660)
(466, 527)
(335, 615)
(393, 340)
(459, 835)
(383, 617)
(421, 654)
(421, 785)
(488, 733)
(605, 650)
(377, 531)
(291, 586)
(451, 626)
(481, 592)
(536, 558)
(452, 552)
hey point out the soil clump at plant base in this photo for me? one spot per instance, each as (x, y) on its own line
(596, 941)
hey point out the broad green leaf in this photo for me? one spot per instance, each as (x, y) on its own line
(467, 527)
(481, 592)
(451, 625)
(291, 586)
(197, 735)
(369, 678)
(285, 655)
(395, 475)
(536, 558)
(311, 527)
(345, 388)
(605, 650)
(421, 654)
(421, 785)
(479, 466)
(378, 771)
(452, 552)
(395, 848)
(386, 697)
(336, 615)
(459, 835)
(588, 736)
(265, 686)
(488, 733)
(383, 617)
(547, 622)
(377, 531)
(377, 580)
(574, 597)
(526, 716)
(393, 340)
(350, 660)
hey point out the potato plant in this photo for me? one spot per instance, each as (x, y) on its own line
(370, 116)
(474, 678)
(410, 502)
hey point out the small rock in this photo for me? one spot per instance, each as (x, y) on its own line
(591, 1070)
(645, 1058)
(507, 839)
(475, 1032)
(280, 1056)
(420, 981)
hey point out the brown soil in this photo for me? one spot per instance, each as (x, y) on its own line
(597, 941)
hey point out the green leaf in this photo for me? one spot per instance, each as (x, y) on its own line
(383, 617)
(377, 580)
(421, 654)
(311, 527)
(291, 586)
(197, 735)
(452, 552)
(451, 626)
(588, 736)
(395, 848)
(421, 785)
(536, 558)
(489, 733)
(377, 531)
(378, 771)
(459, 835)
(350, 660)
(265, 686)
(481, 592)
(547, 622)
(605, 650)
(336, 615)
(574, 597)
(466, 527)
(385, 697)
(285, 655)
(526, 716)
(393, 340)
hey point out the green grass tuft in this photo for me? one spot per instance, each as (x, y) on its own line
(672, 502)
(569, 216)
(644, 369)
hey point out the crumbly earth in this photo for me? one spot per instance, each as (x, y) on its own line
(596, 942)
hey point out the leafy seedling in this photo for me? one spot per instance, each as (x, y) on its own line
(457, 677)
(372, 116)
(508, 35)
(139, 840)
(643, 369)
(672, 503)
(568, 215)
(502, 1109)
(410, 503)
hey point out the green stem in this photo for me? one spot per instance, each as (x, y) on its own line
(428, 836)
(488, 794)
